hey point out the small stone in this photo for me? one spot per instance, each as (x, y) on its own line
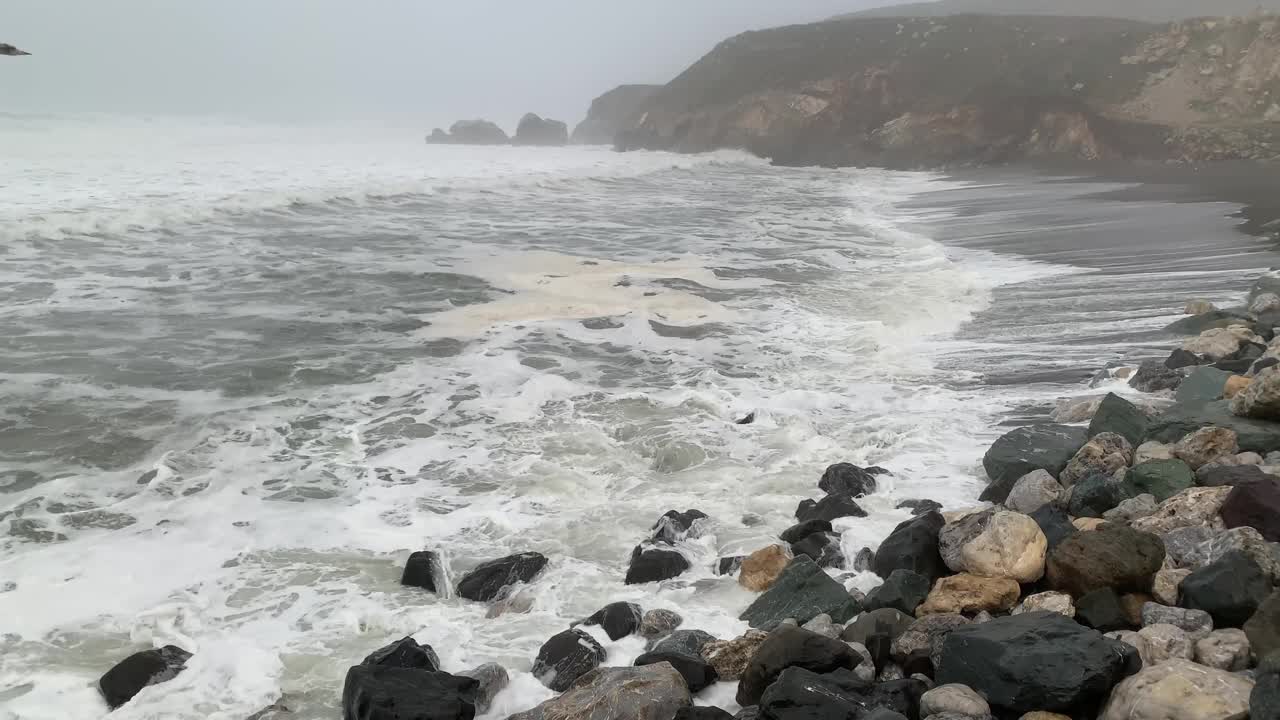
(761, 569)
(1197, 623)
(866, 670)
(1206, 445)
(1165, 643)
(888, 621)
(1132, 604)
(823, 625)
(1195, 307)
(1131, 509)
(1102, 611)
(923, 641)
(953, 698)
(966, 593)
(1089, 524)
(1224, 649)
(1164, 588)
(618, 619)
(1033, 491)
(729, 658)
(659, 623)
(1057, 602)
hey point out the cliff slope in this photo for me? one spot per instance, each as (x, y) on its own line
(1147, 10)
(610, 112)
(971, 89)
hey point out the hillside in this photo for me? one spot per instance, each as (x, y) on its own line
(977, 89)
(1146, 10)
(610, 112)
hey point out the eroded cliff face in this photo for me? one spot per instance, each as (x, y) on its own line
(610, 114)
(977, 89)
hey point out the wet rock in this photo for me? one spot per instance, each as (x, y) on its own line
(1261, 400)
(995, 544)
(1164, 587)
(1253, 435)
(618, 619)
(800, 531)
(534, 130)
(888, 621)
(729, 658)
(1096, 495)
(801, 693)
(1179, 690)
(1054, 523)
(702, 713)
(864, 561)
(919, 507)
(491, 679)
(791, 647)
(823, 548)
(698, 674)
(687, 641)
(801, 592)
(516, 600)
(1113, 557)
(659, 623)
(1132, 509)
(488, 580)
(1180, 358)
(1218, 475)
(831, 507)
(1033, 661)
(847, 479)
(903, 590)
(1161, 478)
(726, 566)
(1203, 385)
(675, 526)
(1162, 643)
(1206, 445)
(1193, 507)
(405, 653)
(1197, 623)
(762, 568)
(1224, 650)
(966, 593)
(954, 698)
(1255, 505)
(1021, 451)
(654, 564)
(1152, 450)
(566, 657)
(913, 545)
(1153, 376)
(651, 692)
(1056, 602)
(1121, 417)
(1104, 454)
(1196, 307)
(1230, 589)
(384, 692)
(142, 669)
(1263, 629)
(424, 570)
(924, 639)
(1033, 491)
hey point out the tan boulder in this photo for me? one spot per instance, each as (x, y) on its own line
(1236, 384)
(760, 569)
(966, 593)
(1105, 454)
(1193, 507)
(1218, 343)
(1206, 445)
(1057, 602)
(995, 544)
(1261, 399)
(1180, 690)
(1164, 643)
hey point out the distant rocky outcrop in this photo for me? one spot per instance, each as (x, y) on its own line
(610, 112)
(970, 89)
(7, 49)
(470, 132)
(534, 130)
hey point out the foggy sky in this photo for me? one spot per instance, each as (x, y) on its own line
(427, 61)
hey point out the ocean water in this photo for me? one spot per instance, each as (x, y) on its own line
(246, 370)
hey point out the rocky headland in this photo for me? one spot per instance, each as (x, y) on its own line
(1123, 564)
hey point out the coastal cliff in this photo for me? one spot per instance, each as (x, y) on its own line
(971, 89)
(610, 113)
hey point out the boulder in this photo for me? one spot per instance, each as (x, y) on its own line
(847, 479)
(1165, 584)
(1093, 496)
(789, 647)
(802, 592)
(1206, 321)
(1217, 343)
(1033, 491)
(491, 679)
(1153, 376)
(1114, 557)
(424, 570)
(141, 669)
(831, 507)
(728, 565)
(1227, 650)
(675, 526)
(1032, 661)
(823, 625)
(954, 698)
(801, 693)
(1217, 544)
(823, 548)
(913, 545)
(1180, 358)
(475, 132)
(1036, 447)
(1103, 455)
(1255, 505)
(1057, 602)
(864, 560)
(689, 641)
(1266, 302)
(1206, 445)
(1161, 478)
(729, 658)
(566, 657)
(1197, 623)
(1101, 610)
(1054, 522)
(1121, 417)
(618, 619)
(385, 692)
(1230, 589)
(1263, 629)
(1132, 509)
(903, 590)
(995, 544)
(1264, 700)
(405, 653)
(919, 507)
(698, 674)
(1236, 384)
(1193, 507)
(650, 692)
(800, 531)
(611, 113)
(1182, 546)
(966, 593)
(488, 580)
(534, 130)
(923, 641)
(1180, 690)
(888, 621)
(659, 623)
(1162, 643)
(761, 569)
(1252, 435)
(1218, 475)
(1152, 450)
(654, 564)
(1197, 307)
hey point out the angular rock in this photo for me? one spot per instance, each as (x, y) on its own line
(1056, 602)
(565, 658)
(1180, 358)
(800, 531)
(919, 507)
(847, 479)
(955, 698)
(655, 564)
(903, 590)
(823, 548)
(824, 626)
(761, 569)
(1179, 690)
(1036, 447)
(491, 679)
(1103, 455)
(1261, 400)
(888, 621)
(1119, 416)
(618, 619)
(1190, 508)
(924, 639)
(659, 623)
(1230, 589)
(1162, 643)
(1033, 491)
(384, 692)
(651, 692)
(729, 565)
(1227, 650)
(913, 545)
(1153, 376)
(487, 580)
(1264, 700)
(698, 674)
(141, 669)
(791, 647)
(675, 526)
(1116, 557)
(1161, 478)
(424, 570)
(687, 641)
(1033, 661)
(1152, 450)
(802, 592)
(995, 544)
(1196, 307)
(831, 507)
(1164, 587)
(1217, 343)
(1218, 475)
(1242, 539)
(1132, 509)
(966, 593)
(1253, 435)
(801, 693)
(1263, 629)
(1197, 623)
(729, 658)
(1255, 505)
(1203, 385)
(1206, 445)
(1102, 611)
(1095, 495)
(405, 653)
(864, 561)
(1054, 523)
(1206, 321)
(1182, 546)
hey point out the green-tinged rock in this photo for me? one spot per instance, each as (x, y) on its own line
(1096, 494)
(1119, 416)
(1021, 451)
(1161, 478)
(1260, 436)
(1203, 385)
(803, 591)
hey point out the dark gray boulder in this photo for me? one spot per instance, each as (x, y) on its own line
(1214, 475)
(1264, 700)
(424, 570)
(800, 531)
(1180, 358)
(654, 564)
(534, 130)
(913, 545)
(1035, 447)
(1263, 629)
(488, 580)
(1033, 661)
(675, 526)
(381, 692)
(1255, 505)
(698, 674)
(829, 508)
(1179, 421)
(1196, 324)
(1095, 495)
(690, 641)
(889, 621)
(802, 592)
(1119, 416)
(729, 565)
(566, 657)
(1153, 376)
(1054, 523)
(787, 647)
(1113, 556)
(1160, 478)
(1230, 589)
(823, 548)
(1101, 610)
(491, 679)
(919, 507)
(141, 669)
(618, 619)
(847, 479)
(801, 694)
(903, 590)
(405, 653)
(1203, 385)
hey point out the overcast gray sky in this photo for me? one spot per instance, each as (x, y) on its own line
(428, 60)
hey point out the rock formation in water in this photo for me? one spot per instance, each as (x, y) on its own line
(534, 130)
(610, 113)
(964, 90)
(470, 132)
(7, 49)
